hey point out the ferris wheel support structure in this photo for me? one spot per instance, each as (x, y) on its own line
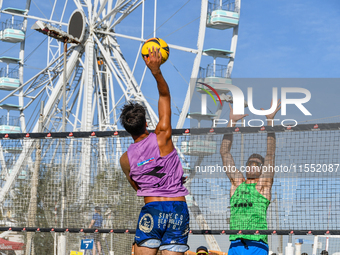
(196, 65)
(95, 71)
(234, 40)
(12, 176)
(21, 72)
(28, 145)
(219, 24)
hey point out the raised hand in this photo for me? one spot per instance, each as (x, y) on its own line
(233, 117)
(271, 116)
(154, 60)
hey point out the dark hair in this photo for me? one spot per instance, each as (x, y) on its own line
(133, 118)
(324, 252)
(258, 156)
(304, 253)
(202, 248)
(97, 208)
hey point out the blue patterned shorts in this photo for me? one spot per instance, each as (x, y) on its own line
(164, 225)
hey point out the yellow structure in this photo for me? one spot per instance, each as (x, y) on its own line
(76, 253)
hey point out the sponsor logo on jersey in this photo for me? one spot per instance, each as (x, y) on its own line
(145, 162)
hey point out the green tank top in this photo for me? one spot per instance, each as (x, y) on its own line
(248, 211)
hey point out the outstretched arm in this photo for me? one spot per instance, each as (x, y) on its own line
(267, 176)
(163, 129)
(234, 175)
(269, 161)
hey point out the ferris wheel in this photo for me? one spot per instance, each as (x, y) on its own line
(105, 69)
(99, 77)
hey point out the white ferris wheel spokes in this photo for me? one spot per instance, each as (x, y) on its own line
(95, 72)
(100, 79)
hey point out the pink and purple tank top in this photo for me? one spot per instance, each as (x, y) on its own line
(155, 175)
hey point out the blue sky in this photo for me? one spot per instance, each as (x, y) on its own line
(277, 39)
(289, 39)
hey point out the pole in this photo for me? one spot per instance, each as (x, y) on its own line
(62, 240)
(280, 248)
(329, 214)
(154, 19)
(64, 85)
(214, 67)
(63, 143)
(315, 245)
(21, 71)
(270, 226)
(32, 208)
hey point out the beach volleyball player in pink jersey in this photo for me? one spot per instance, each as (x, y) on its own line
(153, 168)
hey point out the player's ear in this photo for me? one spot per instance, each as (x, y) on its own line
(146, 124)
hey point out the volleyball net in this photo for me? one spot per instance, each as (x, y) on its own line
(51, 183)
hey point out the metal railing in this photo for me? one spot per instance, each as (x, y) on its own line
(9, 121)
(211, 71)
(12, 73)
(229, 5)
(9, 24)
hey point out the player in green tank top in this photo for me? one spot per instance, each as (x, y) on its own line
(250, 196)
